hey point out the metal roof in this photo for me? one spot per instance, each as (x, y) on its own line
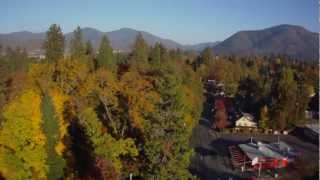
(314, 127)
(260, 150)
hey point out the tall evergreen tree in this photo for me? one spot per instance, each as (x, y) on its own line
(264, 117)
(140, 51)
(167, 136)
(90, 55)
(77, 48)
(89, 49)
(55, 161)
(106, 58)
(163, 53)
(54, 43)
(156, 54)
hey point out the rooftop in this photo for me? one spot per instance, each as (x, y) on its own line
(314, 127)
(259, 149)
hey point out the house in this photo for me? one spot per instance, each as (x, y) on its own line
(246, 120)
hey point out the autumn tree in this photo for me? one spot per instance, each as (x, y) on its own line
(220, 115)
(54, 43)
(69, 75)
(22, 141)
(104, 145)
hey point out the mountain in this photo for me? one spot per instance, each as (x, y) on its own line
(23, 39)
(125, 37)
(283, 39)
(201, 46)
(291, 40)
(121, 39)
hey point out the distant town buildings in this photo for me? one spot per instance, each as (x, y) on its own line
(37, 54)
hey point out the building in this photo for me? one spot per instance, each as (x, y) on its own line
(37, 54)
(312, 131)
(246, 120)
(258, 155)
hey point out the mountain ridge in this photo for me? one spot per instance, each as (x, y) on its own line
(281, 39)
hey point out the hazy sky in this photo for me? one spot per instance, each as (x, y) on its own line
(185, 21)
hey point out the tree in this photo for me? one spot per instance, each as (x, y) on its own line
(69, 75)
(54, 43)
(156, 55)
(264, 117)
(167, 133)
(55, 161)
(106, 58)
(249, 95)
(90, 54)
(206, 55)
(220, 116)
(139, 52)
(22, 141)
(104, 84)
(77, 48)
(89, 49)
(284, 98)
(104, 144)
(163, 53)
(17, 59)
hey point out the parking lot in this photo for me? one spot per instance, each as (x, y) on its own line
(212, 159)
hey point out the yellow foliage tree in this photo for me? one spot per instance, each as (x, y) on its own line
(22, 140)
(141, 97)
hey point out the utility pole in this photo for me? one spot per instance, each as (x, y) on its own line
(259, 168)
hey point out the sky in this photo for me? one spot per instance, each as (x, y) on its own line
(185, 21)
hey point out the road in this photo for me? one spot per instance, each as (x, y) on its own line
(212, 160)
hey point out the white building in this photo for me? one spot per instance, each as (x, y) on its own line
(246, 121)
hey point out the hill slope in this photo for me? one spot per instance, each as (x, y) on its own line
(283, 39)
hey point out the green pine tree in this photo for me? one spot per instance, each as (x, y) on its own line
(77, 48)
(55, 162)
(106, 58)
(156, 55)
(54, 43)
(140, 51)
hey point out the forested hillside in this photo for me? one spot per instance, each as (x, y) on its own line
(108, 115)
(97, 116)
